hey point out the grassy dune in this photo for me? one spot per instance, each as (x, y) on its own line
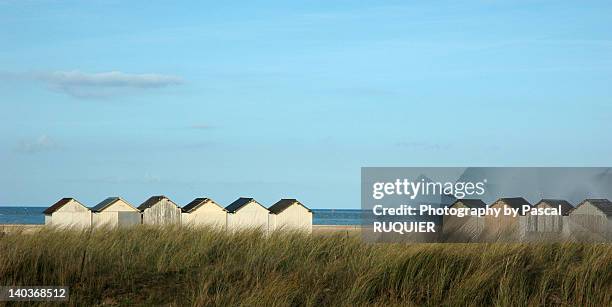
(153, 266)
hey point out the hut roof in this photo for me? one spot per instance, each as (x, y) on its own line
(471, 203)
(107, 202)
(566, 207)
(515, 202)
(241, 202)
(60, 203)
(197, 203)
(285, 203)
(602, 204)
(154, 200)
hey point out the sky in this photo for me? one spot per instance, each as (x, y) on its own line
(277, 99)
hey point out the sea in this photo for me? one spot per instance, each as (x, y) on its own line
(34, 215)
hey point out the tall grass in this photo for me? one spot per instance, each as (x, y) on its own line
(182, 266)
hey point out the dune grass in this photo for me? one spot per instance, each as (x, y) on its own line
(182, 266)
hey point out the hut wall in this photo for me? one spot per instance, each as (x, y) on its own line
(503, 227)
(163, 212)
(295, 217)
(609, 235)
(111, 215)
(106, 218)
(206, 215)
(462, 229)
(249, 216)
(71, 214)
(128, 218)
(545, 227)
(120, 206)
(589, 223)
(545, 223)
(70, 219)
(548, 223)
(116, 218)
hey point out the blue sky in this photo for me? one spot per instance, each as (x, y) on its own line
(269, 99)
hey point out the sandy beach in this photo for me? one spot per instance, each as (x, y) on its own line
(349, 230)
(27, 228)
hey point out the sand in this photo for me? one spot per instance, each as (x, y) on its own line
(349, 230)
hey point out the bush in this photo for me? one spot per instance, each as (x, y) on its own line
(184, 266)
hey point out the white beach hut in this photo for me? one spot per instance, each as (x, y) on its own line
(290, 214)
(550, 223)
(547, 228)
(160, 210)
(68, 212)
(506, 226)
(466, 228)
(204, 212)
(565, 206)
(245, 213)
(113, 212)
(592, 219)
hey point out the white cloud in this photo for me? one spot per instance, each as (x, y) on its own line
(97, 85)
(109, 79)
(42, 143)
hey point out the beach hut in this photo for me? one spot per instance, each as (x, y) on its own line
(511, 202)
(504, 226)
(247, 213)
(68, 212)
(466, 228)
(565, 206)
(160, 210)
(204, 212)
(114, 212)
(290, 214)
(548, 227)
(592, 219)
